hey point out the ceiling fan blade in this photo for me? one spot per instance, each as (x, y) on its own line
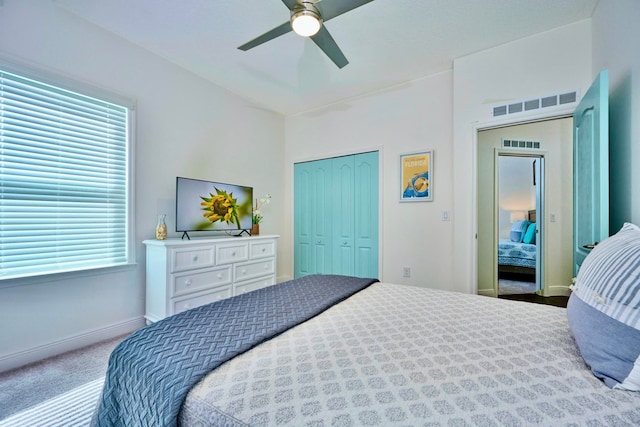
(332, 8)
(289, 3)
(329, 46)
(269, 35)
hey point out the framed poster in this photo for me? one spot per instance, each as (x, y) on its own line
(416, 177)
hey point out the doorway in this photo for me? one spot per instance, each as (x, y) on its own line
(553, 211)
(520, 197)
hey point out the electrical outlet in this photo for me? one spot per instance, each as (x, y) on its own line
(406, 272)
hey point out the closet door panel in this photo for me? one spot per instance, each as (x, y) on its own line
(343, 215)
(312, 227)
(302, 206)
(366, 208)
(322, 230)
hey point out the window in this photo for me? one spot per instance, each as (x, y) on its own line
(64, 171)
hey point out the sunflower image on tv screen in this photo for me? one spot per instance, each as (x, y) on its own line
(221, 207)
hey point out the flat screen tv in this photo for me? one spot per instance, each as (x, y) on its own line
(212, 206)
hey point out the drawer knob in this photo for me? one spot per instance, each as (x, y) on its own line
(219, 276)
(187, 306)
(244, 271)
(195, 258)
(264, 249)
(187, 282)
(233, 254)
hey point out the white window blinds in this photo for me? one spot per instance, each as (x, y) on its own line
(63, 180)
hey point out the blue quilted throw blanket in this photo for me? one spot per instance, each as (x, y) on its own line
(151, 372)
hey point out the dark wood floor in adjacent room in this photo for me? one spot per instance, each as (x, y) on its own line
(558, 301)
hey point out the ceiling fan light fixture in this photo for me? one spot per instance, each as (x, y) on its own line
(306, 19)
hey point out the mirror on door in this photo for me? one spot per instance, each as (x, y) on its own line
(517, 225)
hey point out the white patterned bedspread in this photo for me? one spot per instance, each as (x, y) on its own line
(395, 355)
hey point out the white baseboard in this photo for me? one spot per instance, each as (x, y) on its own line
(35, 354)
(556, 291)
(487, 292)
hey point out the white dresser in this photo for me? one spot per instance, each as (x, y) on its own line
(183, 274)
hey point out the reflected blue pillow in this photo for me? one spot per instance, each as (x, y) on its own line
(530, 234)
(518, 229)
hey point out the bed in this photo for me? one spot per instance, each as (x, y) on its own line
(518, 257)
(386, 355)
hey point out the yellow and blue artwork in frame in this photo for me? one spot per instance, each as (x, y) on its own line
(416, 177)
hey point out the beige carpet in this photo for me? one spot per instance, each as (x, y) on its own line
(26, 387)
(71, 409)
(515, 287)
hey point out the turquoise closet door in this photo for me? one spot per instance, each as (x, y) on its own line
(336, 216)
(366, 210)
(343, 214)
(312, 235)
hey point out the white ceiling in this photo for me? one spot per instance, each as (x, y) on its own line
(387, 42)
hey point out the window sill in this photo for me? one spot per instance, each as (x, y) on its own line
(62, 276)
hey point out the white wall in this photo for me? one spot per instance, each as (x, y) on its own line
(407, 118)
(615, 47)
(552, 62)
(185, 127)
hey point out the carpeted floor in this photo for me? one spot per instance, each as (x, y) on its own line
(74, 408)
(512, 287)
(30, 385)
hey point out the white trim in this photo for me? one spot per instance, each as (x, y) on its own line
(540, 211)
(35, 354)
(65, 275)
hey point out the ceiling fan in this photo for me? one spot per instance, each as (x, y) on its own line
(306, 20)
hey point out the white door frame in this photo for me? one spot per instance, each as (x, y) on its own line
(560, 113)
(541, 196)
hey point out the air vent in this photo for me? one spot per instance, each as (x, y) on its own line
(516, 143)
(535, 104)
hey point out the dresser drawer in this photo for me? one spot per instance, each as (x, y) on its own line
(180, 305)
(230, 253)
(186, 283)
(249, 270)
(252, 285)
(184, 274)
(192, 258)
(262, 249)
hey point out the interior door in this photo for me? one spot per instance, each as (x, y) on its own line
(366, 214)
(312, 228)
(342, 212)
(591, 170)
